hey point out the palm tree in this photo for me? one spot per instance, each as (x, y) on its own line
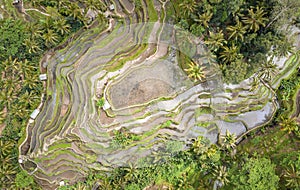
(204, 18)
(28, 69)
(195, 72)
(50, 37)
(6, 148)
(130, 172)
(199, 146)
(29, 99)
(255, 19)
(95, 5)
(215, 40)
(221, 175)
(7, 169)
(237, 32)
(268, 70)
(188, 7)
(34, 30)
(288, 124)
(32, 45)
(19, 110)
(46, 24)
(74, 11)
(292, 177)
(228, 140)
(61, 26)
(230, 54)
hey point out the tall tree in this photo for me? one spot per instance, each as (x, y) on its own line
(61, 26)
(268, 70)
(237, 31)
(255, 19)
(230, 54)
(195, 72)
(204, 18)
(228, 140)
(50, 37)
(188, 7)
(215, 40)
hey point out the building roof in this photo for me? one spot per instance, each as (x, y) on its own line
(106, 105)
(112, 7)
(43, 76)
(34, 113)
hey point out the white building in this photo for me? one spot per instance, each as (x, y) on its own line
(106, 105)
(43, 77)
(34, 114)
(112, 7)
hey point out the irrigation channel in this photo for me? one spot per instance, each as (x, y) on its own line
(148, 100)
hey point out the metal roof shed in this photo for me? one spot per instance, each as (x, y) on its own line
(43, 77)
(112, 7)
(34, 114)
(106, 105)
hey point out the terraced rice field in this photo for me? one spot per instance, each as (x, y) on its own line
(147, 99)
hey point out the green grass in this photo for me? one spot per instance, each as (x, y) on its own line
(151, 11)
(60, 146)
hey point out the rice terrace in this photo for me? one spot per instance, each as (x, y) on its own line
(137, 88)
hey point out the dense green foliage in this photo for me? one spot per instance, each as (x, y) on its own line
(23, 179)
(256, 174)
(22, 43)
(240, 33)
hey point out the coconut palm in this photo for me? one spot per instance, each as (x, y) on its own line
(292, 177)
(6, 148)
(195, 72)
(221, 175)
(237, 31)
(215, 40)
(19, 110)
(34, 30)
(61, 26)
(228, 140)
(7, 171)
(50, 37)
(46, 24)
(74, 11)
(289, 124)
(204, 18)
(255, 19)
(188, 7)
(230, 54)
(32, 45)
(28, 69)
(268, 70)
(95, 5)
(130, 172)
(199, 146)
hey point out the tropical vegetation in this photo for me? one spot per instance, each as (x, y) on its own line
(240, 34)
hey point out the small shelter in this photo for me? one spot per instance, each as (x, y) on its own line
(34, 114)
(112, 7)
(43, 77)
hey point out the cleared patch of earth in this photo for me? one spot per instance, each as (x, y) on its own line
(144, 84)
